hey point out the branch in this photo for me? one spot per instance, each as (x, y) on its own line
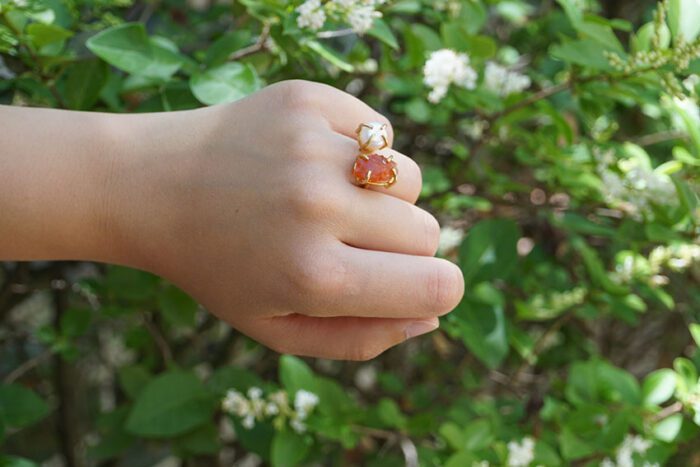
(163, 346)
(259, 45)
(666, 412)
(660, 137)
(27, 366)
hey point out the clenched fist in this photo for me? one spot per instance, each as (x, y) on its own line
(251, 208)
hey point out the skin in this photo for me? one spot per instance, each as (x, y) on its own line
(250, 207)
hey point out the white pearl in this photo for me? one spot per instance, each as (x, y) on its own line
(373, 136)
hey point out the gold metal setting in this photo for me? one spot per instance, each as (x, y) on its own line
(364, 147)
(366, 150)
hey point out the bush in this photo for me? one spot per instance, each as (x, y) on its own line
(560, 146)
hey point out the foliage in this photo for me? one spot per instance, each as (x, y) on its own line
(563, 139)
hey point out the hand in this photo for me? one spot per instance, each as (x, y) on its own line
(250, 207)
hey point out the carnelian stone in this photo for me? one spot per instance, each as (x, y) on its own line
(380, 167)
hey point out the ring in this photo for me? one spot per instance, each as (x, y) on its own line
(371, 168)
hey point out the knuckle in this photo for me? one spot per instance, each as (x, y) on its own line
(310, 198)
(299, 94)
(318, 276)
(301, 144)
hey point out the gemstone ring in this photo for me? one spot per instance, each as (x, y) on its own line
(371, 168)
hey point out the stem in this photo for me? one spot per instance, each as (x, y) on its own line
(259, 45)
(163, 346)
(27, 366)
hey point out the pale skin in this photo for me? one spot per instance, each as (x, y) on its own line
(250, 207)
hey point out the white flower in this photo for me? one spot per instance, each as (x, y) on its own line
(255, 393)
(271, 409)
(632, 444)
(297, 425)
(248, 422)
(446, 67)
(235, 404)
(311, 15)
(304, 403)
(607, 463)
(504, 82)
(521, 454)
(366, 377)
(362, 18)
(279, 398)
(450, 238)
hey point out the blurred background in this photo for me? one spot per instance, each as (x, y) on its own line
(560, 148)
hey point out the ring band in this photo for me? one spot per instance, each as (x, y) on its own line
(371, 168)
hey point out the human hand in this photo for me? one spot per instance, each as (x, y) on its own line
(250, 207)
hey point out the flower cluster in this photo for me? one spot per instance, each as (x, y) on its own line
(624, 456)
(503, 81)
(521, 454)
(359, 14)
(555, 303)
(255, 407)
(634, 187)
(678, 258)
(446, 67)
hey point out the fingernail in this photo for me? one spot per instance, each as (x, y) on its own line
(418, 328)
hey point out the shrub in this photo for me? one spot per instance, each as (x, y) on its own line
(560, 146)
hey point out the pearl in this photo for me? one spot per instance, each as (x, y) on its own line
(372, 136)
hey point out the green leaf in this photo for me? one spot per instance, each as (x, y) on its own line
(128, 47)
(596, 269)
(684, 18)
(43, 34)
(130, 284)
(82, 83)
(232, 377)
(668, 429)
(383, 32)
(12, 461)
(288, 448)
(489, 250)
(178, 308)
(133, 379)
(390, 413)
(225, 83)
(688, 198)
(170, 405)
(658, 387)
(694, 329)
(220, 50)
(584, 52)
(295, 375)
(75, 322)
(328, 54)
(482, 328)
(203, 440)
(20, 407)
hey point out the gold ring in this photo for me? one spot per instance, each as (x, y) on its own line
(371, 168)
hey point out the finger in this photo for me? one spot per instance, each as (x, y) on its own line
(408, 180)
(355, 282)
(345, 112)
(340, 338)
(385, 223)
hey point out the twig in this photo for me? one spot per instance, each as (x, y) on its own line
(539, 346)
(260, 45)
(660, 137)
(27, 366)
(163, 346)
(337, 33)
(666, 412)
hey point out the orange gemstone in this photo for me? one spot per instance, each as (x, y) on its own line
(378, 167)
